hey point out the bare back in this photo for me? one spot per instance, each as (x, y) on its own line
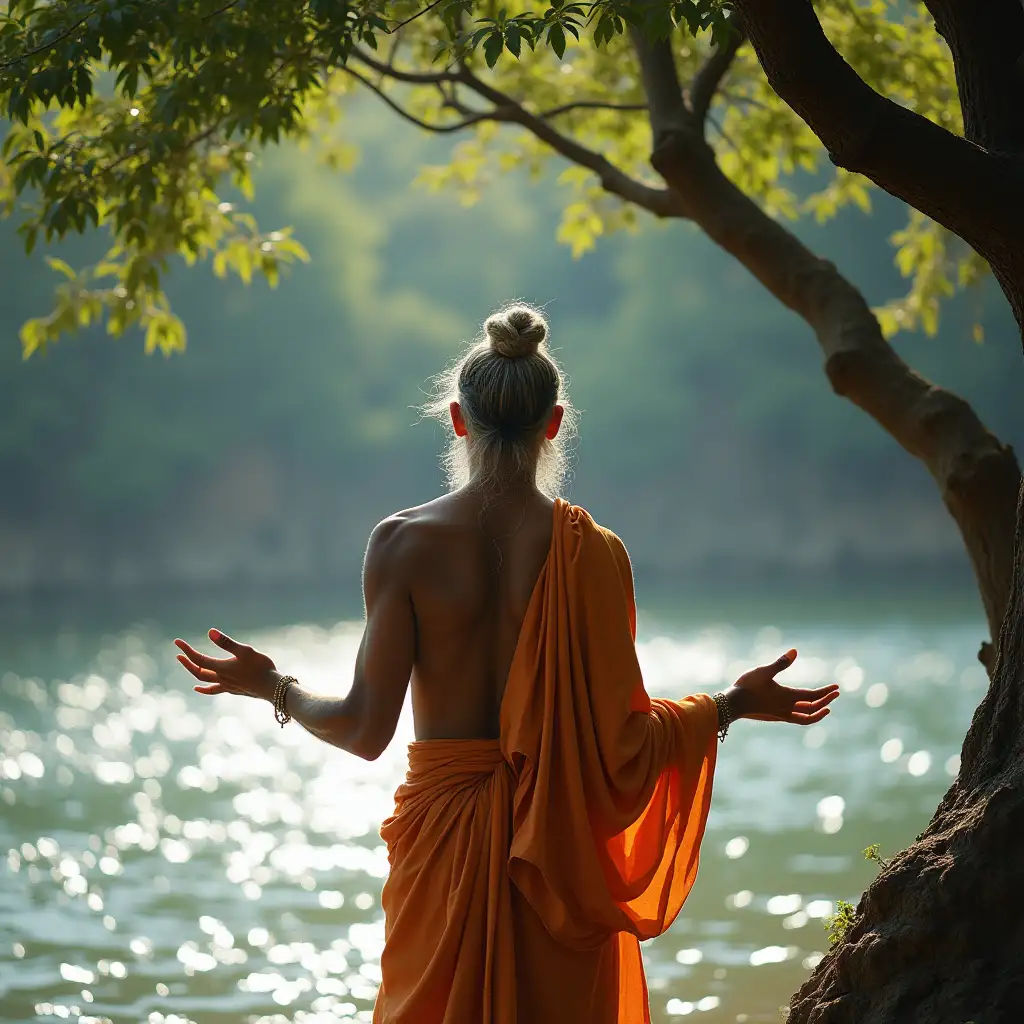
(471, 566)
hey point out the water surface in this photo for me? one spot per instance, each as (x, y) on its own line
(173, 858)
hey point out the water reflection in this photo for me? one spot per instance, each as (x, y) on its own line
(168, 858)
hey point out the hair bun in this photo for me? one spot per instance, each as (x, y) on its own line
(516, 331)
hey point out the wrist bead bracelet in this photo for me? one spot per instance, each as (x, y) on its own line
(725, 713)
(280, 692)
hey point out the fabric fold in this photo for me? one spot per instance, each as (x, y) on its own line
(526, 870)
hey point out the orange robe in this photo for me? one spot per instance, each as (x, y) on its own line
(526, 870)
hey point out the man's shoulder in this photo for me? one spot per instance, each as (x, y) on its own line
(405, 531)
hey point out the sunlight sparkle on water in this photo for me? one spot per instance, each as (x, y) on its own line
(830, 813)
(849, 675)
(772, 955)
(739, 899)
(891, 750)
(736, 847)
(782, 905)
(877, 694)
(815, 736)
(197, 820)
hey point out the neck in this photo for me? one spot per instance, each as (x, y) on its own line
(503, 482)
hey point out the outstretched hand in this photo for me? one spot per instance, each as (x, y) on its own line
(246, 672)
(757, 694)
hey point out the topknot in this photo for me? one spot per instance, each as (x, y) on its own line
(516, 331)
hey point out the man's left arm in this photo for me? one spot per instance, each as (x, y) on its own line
(364, 721)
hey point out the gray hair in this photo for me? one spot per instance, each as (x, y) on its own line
(507, 383)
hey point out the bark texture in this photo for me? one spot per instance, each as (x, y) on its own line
(939, 935)
(977, 476)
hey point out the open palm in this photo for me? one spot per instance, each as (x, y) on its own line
(760, 696)
(247, 672)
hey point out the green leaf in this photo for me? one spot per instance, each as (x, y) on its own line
(556, 40)
(61, 267)
(513, 39)
(493, 45)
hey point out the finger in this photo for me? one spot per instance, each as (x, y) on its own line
(798, 718)
(813, 694)
(813, 705)
(198, 658)
(783, 662)
(207, 675)
(223, 640)
(211, 689)
(806, 709)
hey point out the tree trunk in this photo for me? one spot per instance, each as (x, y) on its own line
(939, 934)
(971, 185)
(977, 476)
(938, 937)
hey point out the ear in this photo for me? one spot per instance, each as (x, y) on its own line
(458, 422)
(554, 423)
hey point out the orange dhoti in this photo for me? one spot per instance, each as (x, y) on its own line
(526, 870)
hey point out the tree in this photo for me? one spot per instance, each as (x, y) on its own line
(199, 84)
(936, 936)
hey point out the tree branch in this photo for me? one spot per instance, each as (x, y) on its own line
(987, 44)
(442, 129)
(399, 75)
(220, 10)
(977, 476)
(418, 14)
(709, 77)
(48, 45)
(591, 105)
(667, 110)
(974, 193)
(660, 202)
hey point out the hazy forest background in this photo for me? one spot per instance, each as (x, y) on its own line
(263, 455)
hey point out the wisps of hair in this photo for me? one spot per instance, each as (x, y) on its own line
(506, 383)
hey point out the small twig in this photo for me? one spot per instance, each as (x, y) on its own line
(709, 77)
(721, 132)
(48, 45)
(393, 49)
(136, 150)
(418, 14)
(749, 100)
(426, 125)
(452, 102)
(591, 105)
(661, 202)
(220, 10)
(411, 77)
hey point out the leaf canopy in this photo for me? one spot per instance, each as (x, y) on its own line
(138, 118)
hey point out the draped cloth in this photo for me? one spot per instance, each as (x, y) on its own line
(526, 870)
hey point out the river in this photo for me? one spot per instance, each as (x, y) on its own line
(171, 858)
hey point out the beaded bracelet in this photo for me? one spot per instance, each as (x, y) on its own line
(280, 692)
(725, 715)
